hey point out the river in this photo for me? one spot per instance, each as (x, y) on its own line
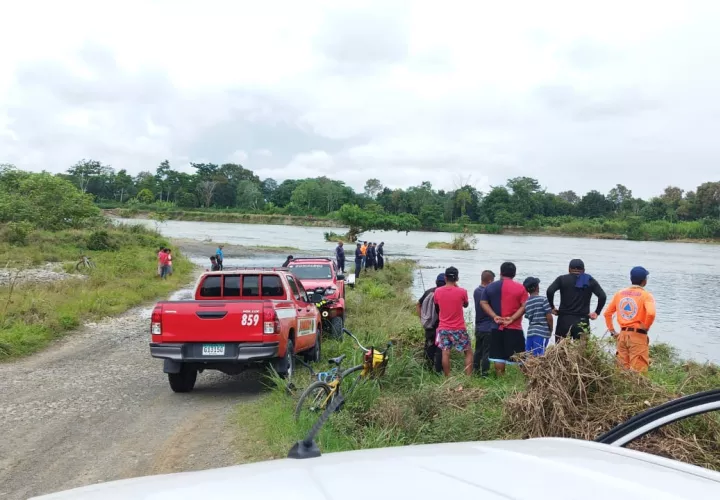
(684, 277)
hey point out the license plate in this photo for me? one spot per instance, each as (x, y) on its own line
(213, 350)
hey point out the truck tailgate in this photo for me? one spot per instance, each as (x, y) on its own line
(212, 321)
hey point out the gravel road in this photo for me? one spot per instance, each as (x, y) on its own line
(96, 407)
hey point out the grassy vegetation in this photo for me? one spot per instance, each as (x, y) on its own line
(34, 314)
(411, 405)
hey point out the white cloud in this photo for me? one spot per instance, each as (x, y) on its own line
(580, 96)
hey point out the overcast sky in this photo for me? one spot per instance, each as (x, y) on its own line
(581, 97)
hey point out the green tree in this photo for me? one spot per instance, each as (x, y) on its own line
(124, 186)
(43, 200)
(145, 196)
(83, 172)
(707, 200)
(594, 204)
(373, 187)
(360, 220)
(249, 195)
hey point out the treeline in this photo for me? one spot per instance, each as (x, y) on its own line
(521, 202)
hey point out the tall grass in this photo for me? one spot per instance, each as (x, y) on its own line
(34, 314)
(411, 405)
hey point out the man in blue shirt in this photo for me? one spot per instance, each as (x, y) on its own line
(340, 256)
(484, 326)
(219, 256)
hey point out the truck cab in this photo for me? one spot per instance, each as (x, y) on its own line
(239, 318)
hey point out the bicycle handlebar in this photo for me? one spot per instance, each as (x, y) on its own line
(348, 332)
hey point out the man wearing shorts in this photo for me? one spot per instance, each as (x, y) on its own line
(452, 332)
(504, 301)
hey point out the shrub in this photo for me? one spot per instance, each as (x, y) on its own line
(16, 233)
(101, 240)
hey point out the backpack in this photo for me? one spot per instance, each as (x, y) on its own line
(428, 315)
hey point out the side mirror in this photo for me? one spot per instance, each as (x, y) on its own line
(341, 277)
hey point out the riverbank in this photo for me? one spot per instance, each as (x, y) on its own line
(410, 405)
(610, 229)
(218, 216)
(45, 296)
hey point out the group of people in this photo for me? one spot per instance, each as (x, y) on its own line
(501, 305)
(164, 262)
(367, 255)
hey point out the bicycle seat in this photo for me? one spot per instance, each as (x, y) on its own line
(336, 361)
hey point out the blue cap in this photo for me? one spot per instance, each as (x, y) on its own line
(440, 278)
(638, 273)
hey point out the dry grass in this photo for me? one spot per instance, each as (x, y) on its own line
(577, 391)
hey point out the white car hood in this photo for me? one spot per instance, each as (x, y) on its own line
(534, 469)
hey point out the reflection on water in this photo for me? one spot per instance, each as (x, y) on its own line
(684, 277)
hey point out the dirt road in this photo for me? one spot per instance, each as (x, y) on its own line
(96, 407)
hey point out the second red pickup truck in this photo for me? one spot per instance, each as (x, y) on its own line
(238, 319)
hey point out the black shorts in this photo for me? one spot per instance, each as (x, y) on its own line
(573, 325)
(504, 344)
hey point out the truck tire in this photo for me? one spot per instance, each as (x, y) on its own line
(286, 366)
(336, 327)
(314, 354)
(184, 380)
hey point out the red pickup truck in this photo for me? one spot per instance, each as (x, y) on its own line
(238, 319)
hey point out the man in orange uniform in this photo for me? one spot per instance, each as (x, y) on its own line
(635, 311)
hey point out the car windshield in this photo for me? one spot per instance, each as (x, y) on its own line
(312, 271)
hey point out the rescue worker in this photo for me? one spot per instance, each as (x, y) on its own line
(381, 255)
(576, 289)
(634, 308)
(363, 250)
(358, 260)
(371, 262)
(340, 256)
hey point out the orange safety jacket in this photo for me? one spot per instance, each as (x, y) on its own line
(634, 307)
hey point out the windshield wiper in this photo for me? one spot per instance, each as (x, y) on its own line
(308, 448)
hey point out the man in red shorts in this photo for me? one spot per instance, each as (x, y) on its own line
(504, 301)
(452, 332)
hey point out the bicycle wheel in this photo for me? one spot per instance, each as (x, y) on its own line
(351, 378)
(91, 264)
(314, 399)
(79, 265)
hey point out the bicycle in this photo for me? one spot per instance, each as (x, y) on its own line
(327, 387)
(85, 263)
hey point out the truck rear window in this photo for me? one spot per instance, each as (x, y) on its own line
(231, 286)
(272, 286)
(251, 285)
(210, 286)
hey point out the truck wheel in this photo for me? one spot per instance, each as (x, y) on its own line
(184, 381)
(336, 327)
(286, 366)
(313, 355)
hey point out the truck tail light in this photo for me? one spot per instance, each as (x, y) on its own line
(156, 321)
(271, 322)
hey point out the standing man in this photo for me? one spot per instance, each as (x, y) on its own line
(287, 261)
(429, 318)
(371, 257)
(484, 326)
(635, 311)
(381, 255)
(363, 250)
(504, 301)
(340, 256)
(159, 261)
(451, 331)
(358, 260)
(576, 289)
(219, 256)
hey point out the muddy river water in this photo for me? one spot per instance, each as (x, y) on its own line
(684, 277)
